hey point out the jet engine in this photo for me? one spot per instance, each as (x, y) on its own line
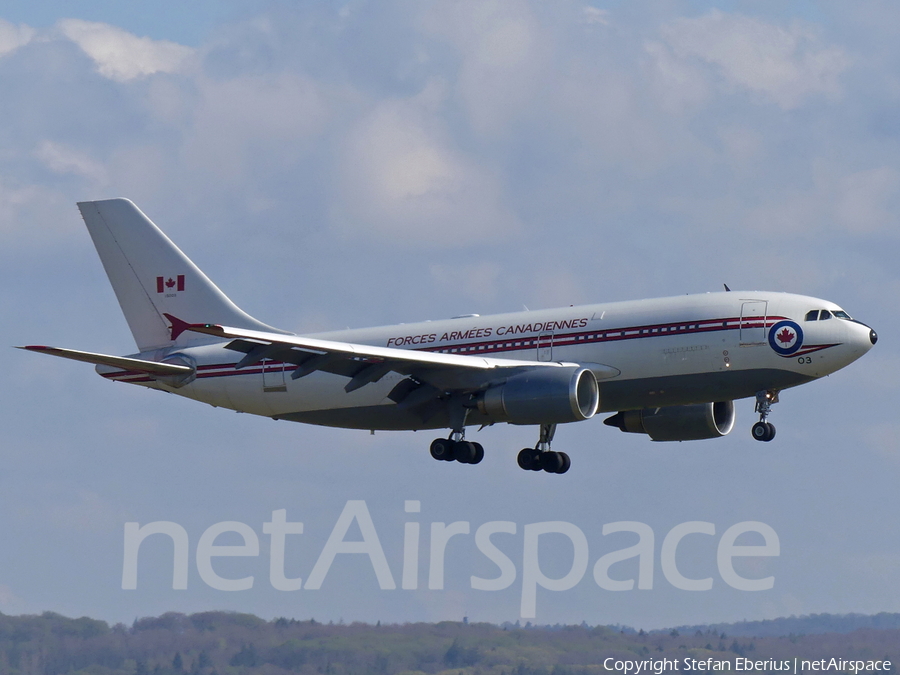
(543, 396)
(678, 422)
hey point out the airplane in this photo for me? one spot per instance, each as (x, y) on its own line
(670, 368)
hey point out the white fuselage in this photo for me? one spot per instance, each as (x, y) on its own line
(645, 353)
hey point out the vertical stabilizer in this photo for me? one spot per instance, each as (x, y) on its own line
(152, 277)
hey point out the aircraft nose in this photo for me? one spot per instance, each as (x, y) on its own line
(862, 337)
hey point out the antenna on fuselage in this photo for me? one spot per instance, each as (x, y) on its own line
(726, 287)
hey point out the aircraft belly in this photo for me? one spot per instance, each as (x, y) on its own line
(254, 394)
(210, 391)
(726, 385)
(388, 417)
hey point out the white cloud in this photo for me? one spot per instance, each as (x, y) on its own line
(595, 15)
(504, 53)
(251, 117)
(857, 203)
(679, 84)
(784, 65)
(741, 143)
(120, 55)
(866, 200)
(65, 160)
(12, 36)
(402, 175)
(13, 198)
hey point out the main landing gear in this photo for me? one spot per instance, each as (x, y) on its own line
(457, 448)
(538, 458)
(541, 457)
(763, 430)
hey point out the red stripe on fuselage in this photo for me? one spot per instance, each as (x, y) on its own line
(503, 344)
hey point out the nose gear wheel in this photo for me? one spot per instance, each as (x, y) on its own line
(764, 430)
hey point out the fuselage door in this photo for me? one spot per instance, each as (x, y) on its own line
(545, 347)
(753, 322)
(273, 376)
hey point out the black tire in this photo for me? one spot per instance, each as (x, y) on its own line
(760, 431)
(566, 463)
(771, 433)
(551, 462)
(479, 453)
(464, 452)
(442, 449)
(526, 459)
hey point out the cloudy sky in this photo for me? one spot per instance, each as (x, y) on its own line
(365, 163)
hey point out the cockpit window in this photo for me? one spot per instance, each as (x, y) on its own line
(822, 314)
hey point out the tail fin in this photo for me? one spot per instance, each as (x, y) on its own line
(152, 277)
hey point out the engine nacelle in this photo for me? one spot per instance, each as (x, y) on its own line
(677, 422)
(543, 396)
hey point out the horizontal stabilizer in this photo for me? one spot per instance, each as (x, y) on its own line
(123, 362)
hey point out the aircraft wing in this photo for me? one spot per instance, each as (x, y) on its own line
(363, 363)
(123, 362)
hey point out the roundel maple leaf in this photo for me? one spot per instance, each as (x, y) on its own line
(785, 336)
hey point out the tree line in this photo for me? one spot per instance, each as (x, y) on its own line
(227, 643)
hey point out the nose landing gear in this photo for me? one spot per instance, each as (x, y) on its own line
(764, 430)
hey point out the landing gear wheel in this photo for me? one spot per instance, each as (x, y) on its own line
(551, 462)
(479, 453)
(760, 430)
(529, 459)
(442, 449)
(555, 462)
(465, 452)
(763, 431)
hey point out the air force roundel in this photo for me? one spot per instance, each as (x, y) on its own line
(785, 337)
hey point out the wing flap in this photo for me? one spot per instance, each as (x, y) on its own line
(365, 364)
(314, 348)
(122, 362)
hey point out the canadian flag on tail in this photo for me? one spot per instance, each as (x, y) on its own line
(164, 285)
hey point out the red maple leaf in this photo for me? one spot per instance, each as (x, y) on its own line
(785, 336)
(170, 282)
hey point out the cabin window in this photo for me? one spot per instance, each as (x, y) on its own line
(812, 315)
